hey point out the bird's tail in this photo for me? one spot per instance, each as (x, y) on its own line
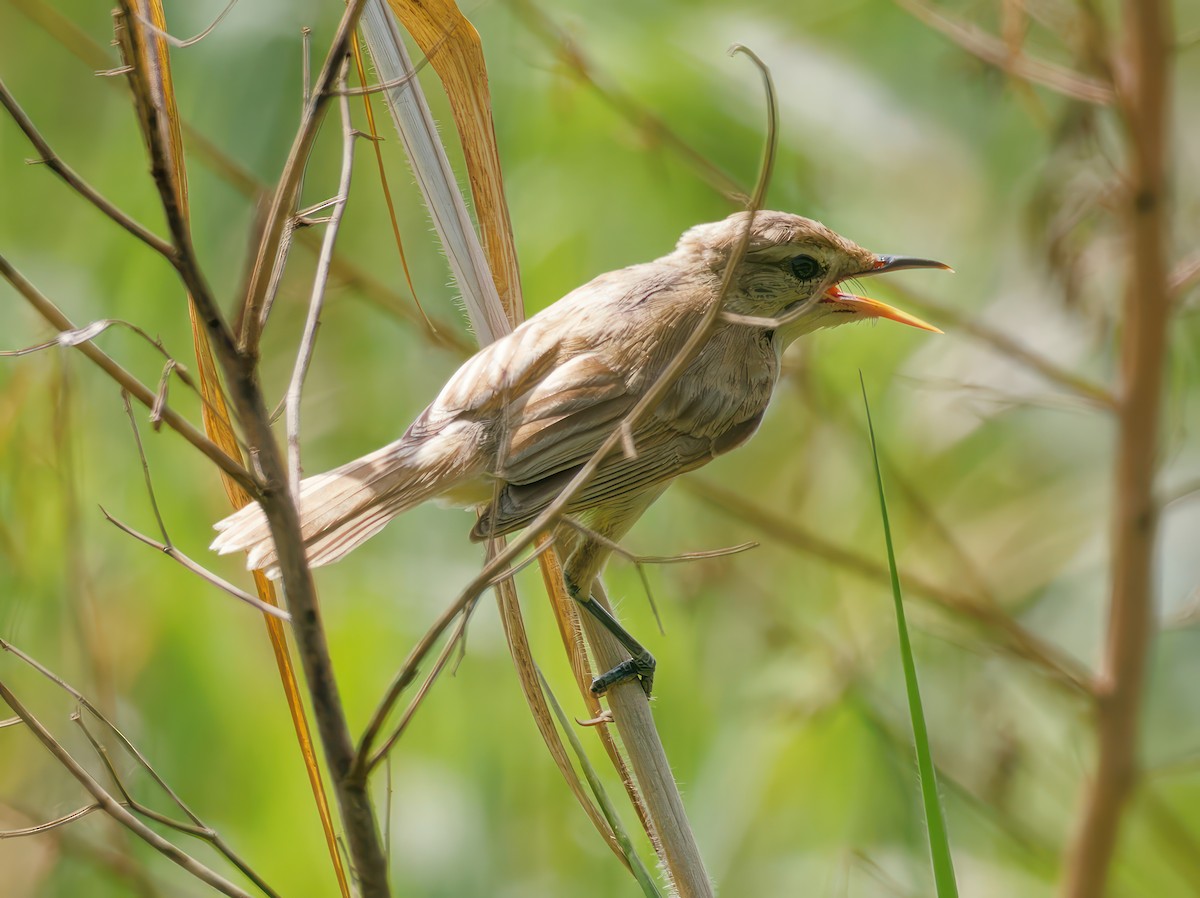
(342, 508)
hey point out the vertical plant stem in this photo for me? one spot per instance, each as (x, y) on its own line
(1143, 96)
(935, 822)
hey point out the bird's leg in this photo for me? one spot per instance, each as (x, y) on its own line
(639, 666)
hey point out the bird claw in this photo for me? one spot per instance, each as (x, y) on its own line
(640, 668)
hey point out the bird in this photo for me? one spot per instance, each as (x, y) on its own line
(522, 416)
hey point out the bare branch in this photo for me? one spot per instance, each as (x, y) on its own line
(1146, 313)
(114, 808)
(996, 52)
(286, 192)
(197, 829)
(1011, 635)
(126, 380)
(320, 282)
(358, 815)
(654, 130)
(49, 824)
(76, 183)
(409, 673)
(137, 439)
(90, 332)
(1096, 394)
(151, 118)
(196, 568)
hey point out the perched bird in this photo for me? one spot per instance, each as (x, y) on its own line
(524, 414)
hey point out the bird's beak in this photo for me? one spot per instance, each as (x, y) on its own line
(899, 263)
(873, 308)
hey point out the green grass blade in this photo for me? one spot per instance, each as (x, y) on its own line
(935, 823)
(649, 887)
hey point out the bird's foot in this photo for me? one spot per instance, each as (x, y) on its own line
(640, 667)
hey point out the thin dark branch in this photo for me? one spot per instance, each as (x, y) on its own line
(114, 809)
(455, 640)
(137, 439)
(126, 380)
(196, 568)
(52, 161)
(151, 117)
(239, 368)
(284, 198)
(197, 829)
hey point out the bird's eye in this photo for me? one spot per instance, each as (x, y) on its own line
(805, 268)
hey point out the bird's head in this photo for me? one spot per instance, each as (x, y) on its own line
(792, 270)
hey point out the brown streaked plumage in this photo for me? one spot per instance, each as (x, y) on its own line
(519, 418)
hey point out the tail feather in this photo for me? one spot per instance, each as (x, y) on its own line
(341, 509)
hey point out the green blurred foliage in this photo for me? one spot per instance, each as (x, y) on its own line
(779, 697)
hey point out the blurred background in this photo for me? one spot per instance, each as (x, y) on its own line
(779, 695)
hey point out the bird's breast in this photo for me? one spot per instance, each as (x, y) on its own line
(724, 392)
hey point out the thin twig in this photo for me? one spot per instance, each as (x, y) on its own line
(89, 332)
(284, 198)
(50, 824)
(317, 300)
(640, 562)
(1014, 637)
(1095, 393)
(137, 439)
(78, 184)
(453, 642)
(196, 568)
(358, 815)
(654, 130)
(183, 43)
(152, 119)
(125, 379)
(114, 809)
(994, 51)
(196, 829)
(440, 334)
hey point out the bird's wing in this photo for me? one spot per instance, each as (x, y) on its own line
(557, 431)
(662, 453)
(547, 395)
